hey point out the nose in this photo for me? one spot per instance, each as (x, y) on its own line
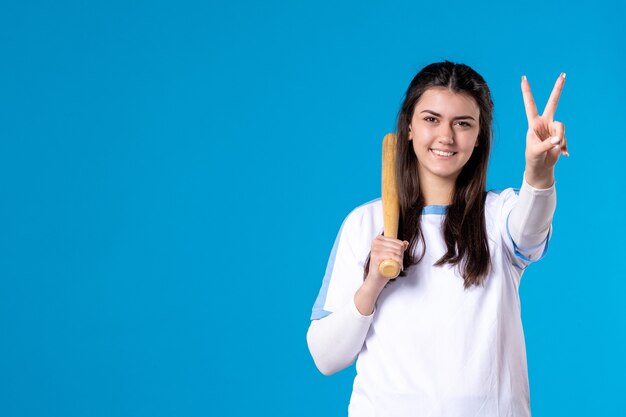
(446, 135)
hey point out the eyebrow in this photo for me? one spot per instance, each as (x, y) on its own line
(438, 115)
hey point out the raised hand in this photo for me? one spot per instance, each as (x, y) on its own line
(545, 138)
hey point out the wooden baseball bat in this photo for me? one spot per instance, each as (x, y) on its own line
(391, 204)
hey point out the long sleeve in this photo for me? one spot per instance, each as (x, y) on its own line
(338, 330)
(531, 217)
(335, 340)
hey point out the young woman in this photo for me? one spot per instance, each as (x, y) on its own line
(445, 338)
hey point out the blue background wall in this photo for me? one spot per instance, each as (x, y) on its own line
(173, 174)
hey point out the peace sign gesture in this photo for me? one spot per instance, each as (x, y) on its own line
(545, 138)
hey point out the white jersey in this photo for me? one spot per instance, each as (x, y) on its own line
(433, 347)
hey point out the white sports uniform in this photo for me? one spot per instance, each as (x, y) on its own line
(431, 347)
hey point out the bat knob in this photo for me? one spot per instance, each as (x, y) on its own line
(389, 268)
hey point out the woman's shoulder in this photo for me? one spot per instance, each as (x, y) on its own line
(371, 208)
(498, 204)
(497, 197)
(372, 211)
(365, 219)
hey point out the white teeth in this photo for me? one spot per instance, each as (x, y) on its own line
(441, 153)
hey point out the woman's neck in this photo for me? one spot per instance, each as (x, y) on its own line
(437, 191)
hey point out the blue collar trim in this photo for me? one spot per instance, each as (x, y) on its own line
(434, 209)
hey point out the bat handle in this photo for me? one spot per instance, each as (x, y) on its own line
(389, 268)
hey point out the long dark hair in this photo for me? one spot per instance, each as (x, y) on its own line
(464, 229)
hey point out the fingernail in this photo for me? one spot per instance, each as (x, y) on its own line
(555, 140)
(563, 75)
(523, 77)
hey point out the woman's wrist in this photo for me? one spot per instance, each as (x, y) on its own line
(366, 296)
(539, 179)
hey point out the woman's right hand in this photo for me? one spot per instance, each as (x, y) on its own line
(382, 248)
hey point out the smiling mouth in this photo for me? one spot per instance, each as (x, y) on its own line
(442, 153)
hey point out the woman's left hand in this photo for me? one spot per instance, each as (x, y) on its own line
(545, 138)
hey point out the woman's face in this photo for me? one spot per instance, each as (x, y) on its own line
(444, 130)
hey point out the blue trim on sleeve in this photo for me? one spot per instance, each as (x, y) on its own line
(516, 248)
(318, 308)
(320, 314)
(521, 268)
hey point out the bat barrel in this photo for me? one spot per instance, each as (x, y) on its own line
(391, 203)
